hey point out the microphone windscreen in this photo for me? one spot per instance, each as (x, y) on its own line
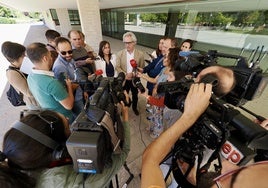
(133, 63)
(186, 54)
(98, 72)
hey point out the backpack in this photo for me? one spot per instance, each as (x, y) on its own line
(14, 97)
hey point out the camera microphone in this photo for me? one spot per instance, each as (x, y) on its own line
(137, 83)
(121, 77)
(186, 54)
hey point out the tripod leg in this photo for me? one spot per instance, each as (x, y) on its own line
(131, 176)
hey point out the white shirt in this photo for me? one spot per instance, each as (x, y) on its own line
(130, 56)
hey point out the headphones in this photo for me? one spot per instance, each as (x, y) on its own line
(59, 151)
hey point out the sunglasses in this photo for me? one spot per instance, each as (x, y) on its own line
(233, 173)
(65, 52)
(49, 119)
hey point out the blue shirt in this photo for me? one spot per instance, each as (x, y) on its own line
(153, 69)
(61, 66)
(63, 69)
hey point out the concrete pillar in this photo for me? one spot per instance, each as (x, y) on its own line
(65, 25)
(89, 12)
(120, 24)
(172, 23)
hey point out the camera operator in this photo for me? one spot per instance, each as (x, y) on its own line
(24, 153)
(196, 102)
(157, 151)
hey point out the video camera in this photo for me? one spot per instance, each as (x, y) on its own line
(221, 127)
(98, 130)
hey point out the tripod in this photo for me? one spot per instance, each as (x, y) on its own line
(131, 176)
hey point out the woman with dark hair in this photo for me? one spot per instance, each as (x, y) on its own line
(15, 54)
(158, 51)
(186, 45)
(157, 127)
(106, 61)
(25, 153)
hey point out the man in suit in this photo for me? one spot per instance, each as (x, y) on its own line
(124, 58)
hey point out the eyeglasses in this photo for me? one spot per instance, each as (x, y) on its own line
(127, 43)
(49, 119)
(233, 173)
(65, 52)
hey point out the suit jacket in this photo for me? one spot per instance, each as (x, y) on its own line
(121, 60)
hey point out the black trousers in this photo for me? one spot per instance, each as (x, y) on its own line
(134, 91)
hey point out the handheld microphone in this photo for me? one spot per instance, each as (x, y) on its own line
(136, 80)
(134, 65)
(98, 73)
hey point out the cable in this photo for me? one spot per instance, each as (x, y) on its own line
(141, 132)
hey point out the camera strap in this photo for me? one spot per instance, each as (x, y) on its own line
(104, 119)
(107, 123)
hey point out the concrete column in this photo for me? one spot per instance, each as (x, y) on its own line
(120, 24)
(172, 23)
(89, 12)
(65, 25)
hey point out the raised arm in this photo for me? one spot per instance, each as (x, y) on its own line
(196, 103)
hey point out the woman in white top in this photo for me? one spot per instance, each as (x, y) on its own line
(106, 61)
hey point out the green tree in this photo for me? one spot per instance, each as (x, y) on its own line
(5, 12)
(221, 19)
(252, 18)
(150, 17)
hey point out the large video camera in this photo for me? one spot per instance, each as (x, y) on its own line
(221, 127)
(98, 131)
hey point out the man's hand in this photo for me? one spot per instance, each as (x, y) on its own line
(69, 83)
(225, 77)
(197, 100)
(140, 69)
(124, 108)
(129, 76)
(89, 60)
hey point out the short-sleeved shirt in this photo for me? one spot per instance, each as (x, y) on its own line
(48, 91)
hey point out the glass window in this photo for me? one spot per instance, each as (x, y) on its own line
(54, 16)
(74, 17)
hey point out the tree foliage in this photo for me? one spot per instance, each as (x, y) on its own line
(6, 12)
(151, 17)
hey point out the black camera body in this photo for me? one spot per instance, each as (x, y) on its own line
(97, 127)
(221, 123)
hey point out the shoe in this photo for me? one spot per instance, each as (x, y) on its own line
(149, 110)
(136, 111)
(153, 135)
(149, 118)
